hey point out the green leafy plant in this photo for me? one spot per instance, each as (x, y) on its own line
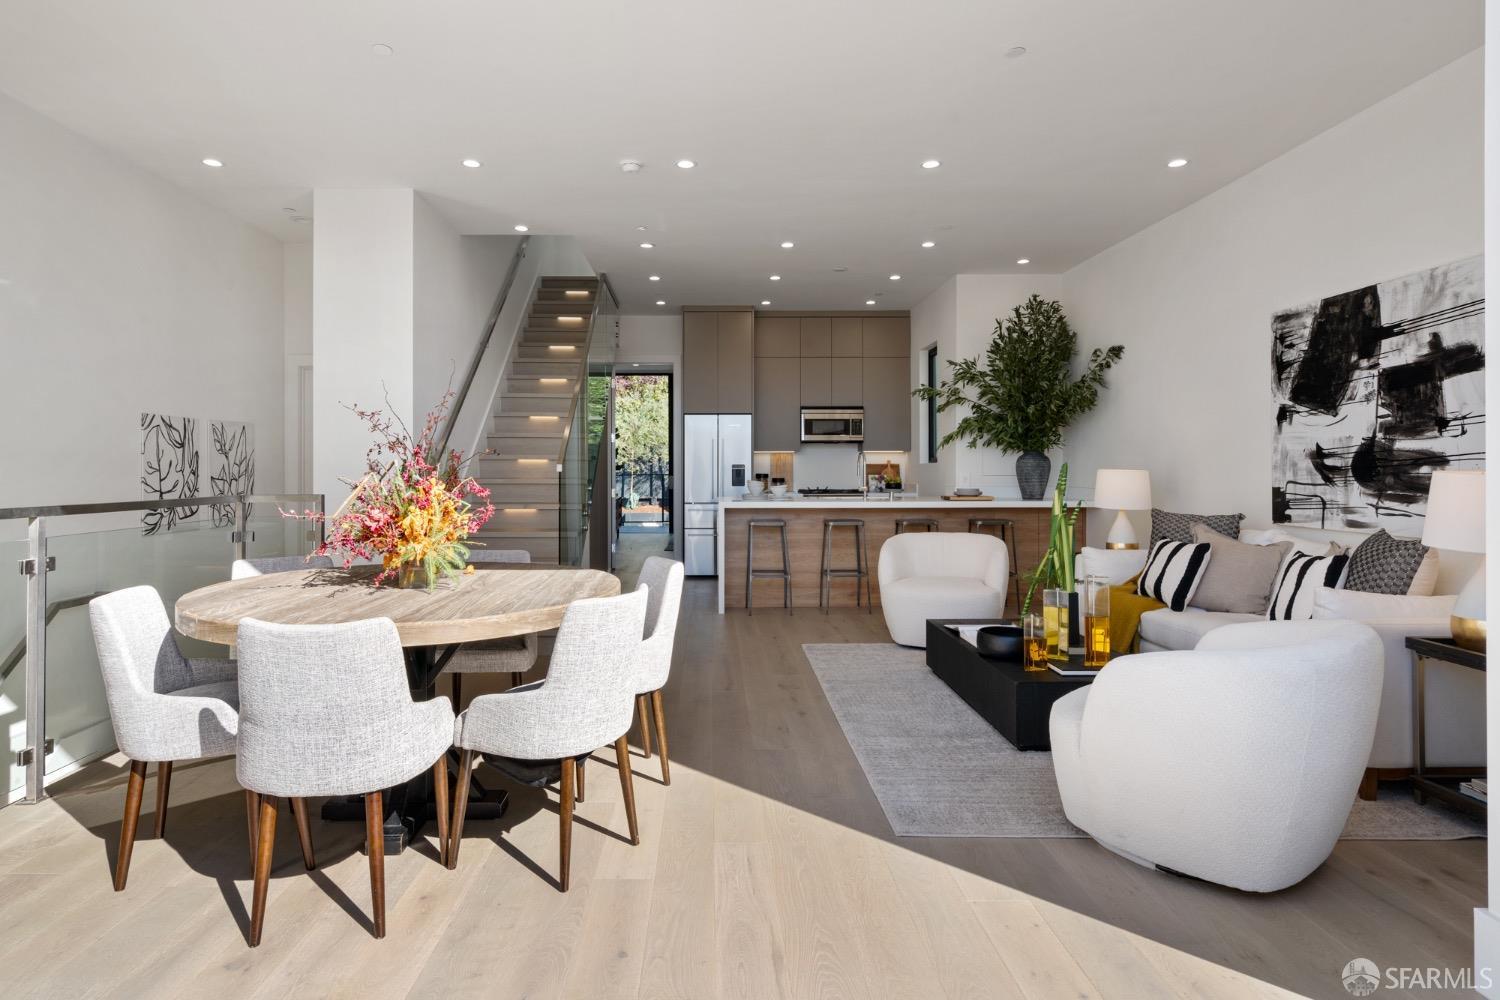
(1056, 567)
(1024, 395)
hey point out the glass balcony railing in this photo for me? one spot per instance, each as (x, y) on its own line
(70, 554)
(587, 440)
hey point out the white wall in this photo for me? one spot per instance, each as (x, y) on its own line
(297, 342)
(1395, 189)
(455, 284)
(1487, 919)
(121, 294)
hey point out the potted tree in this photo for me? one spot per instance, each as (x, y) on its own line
(1023, 395)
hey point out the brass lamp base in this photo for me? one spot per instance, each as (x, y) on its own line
(1121, 545)
(1468, 633)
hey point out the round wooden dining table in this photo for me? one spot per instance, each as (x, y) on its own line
(494, 602)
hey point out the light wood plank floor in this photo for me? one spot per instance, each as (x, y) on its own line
(767, 870)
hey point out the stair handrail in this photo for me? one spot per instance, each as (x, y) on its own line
(488, 333)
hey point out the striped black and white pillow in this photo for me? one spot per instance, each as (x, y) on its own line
(1173, 571)
(1298, 582)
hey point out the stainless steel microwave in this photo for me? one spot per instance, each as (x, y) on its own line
(844, 424)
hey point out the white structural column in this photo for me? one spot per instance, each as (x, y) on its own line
(363, 328)
(1487, 920)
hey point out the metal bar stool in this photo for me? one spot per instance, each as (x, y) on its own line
(1007, 533)
(751, 573)
(915, 523)
(860, 570)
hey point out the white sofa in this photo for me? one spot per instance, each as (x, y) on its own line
(935, 574)
(1454, 694)
(1236, 762)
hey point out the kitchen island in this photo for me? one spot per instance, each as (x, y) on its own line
(804, 527)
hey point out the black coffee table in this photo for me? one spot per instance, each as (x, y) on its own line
(1016, 701)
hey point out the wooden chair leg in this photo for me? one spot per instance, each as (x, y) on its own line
(627, 787)
(458, 691)
(565, 823)
(133, 791)
(580, 769)
(265, 842)
(661, 735)
(375, 847)
(460, 804)
(304, 835)
(252, 821)
(1369, 784)
(643, 709)
(440, 799)
(163, 787)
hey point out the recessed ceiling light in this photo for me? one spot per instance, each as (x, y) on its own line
(640, 229)
(630, 166)
(775, 277)
(931, 164)
(381, 49)
(840, 269)
(787, 244)
(869, 302)
(654, 277)
(765, 302)
(1015, 52)
(1023, 260)
(647, 246)
(521, 227)
(895, 277)
(209, 161)
(928, 244)
(686, 164)
(472, 164)
(1178, 162)
(661, 302)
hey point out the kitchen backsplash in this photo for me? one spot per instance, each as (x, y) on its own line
(833, 466)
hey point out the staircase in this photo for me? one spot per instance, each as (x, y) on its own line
(529, 429)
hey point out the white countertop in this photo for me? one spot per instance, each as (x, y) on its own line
(815, 503)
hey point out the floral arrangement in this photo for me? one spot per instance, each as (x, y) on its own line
(413, 508)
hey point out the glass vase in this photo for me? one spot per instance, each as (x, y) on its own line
(1095, 621)
(411, 576)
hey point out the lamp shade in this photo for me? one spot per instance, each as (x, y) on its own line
(1455, 511)
(1122, 489)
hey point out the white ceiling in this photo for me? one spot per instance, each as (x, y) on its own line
(808, 119)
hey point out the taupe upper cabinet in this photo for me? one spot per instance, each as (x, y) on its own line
(718, 361)
(815, 337)
(887, 337)
(778, 337)
(817, 382)
(887, 400)
(847, 336)
(778, 420)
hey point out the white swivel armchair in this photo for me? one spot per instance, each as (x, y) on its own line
(165, 707)
(326, 710)
(1236, 762)
(536, 732)
(932, 574)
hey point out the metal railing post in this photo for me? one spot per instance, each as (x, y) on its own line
(241, 527)
(36, 567)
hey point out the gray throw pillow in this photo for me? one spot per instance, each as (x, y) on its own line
(1385, 564)
(1239, 577)
(1179, 527)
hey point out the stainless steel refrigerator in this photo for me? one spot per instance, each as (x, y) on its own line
(716, 456)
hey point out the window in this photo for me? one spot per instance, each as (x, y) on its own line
(932, 380)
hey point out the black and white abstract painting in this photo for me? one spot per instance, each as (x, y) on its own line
(231, 465)
(169, 469)
(1375, 389)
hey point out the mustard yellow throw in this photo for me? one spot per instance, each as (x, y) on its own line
(1125, 610)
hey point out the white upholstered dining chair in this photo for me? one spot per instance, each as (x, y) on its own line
(164, 706)
(241, 569)
(539, 730)
(513, 654)
(326, 710)
(663, 580)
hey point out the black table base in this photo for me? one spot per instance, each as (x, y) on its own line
(409, 806)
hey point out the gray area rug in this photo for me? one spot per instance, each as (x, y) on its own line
(939, 770)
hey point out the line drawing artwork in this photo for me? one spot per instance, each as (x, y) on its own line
(1375, 389)
(169, 469)
(232, 466)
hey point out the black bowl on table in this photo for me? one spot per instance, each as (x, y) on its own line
(1001, 642)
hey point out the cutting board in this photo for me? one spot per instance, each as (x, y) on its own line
(954, 496)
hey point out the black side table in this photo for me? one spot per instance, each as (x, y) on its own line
(1444, 787)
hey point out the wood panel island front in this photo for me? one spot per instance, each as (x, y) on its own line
(804, 527)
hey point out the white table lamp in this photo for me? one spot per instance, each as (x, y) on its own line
(1122, 490)
(1455, 521)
